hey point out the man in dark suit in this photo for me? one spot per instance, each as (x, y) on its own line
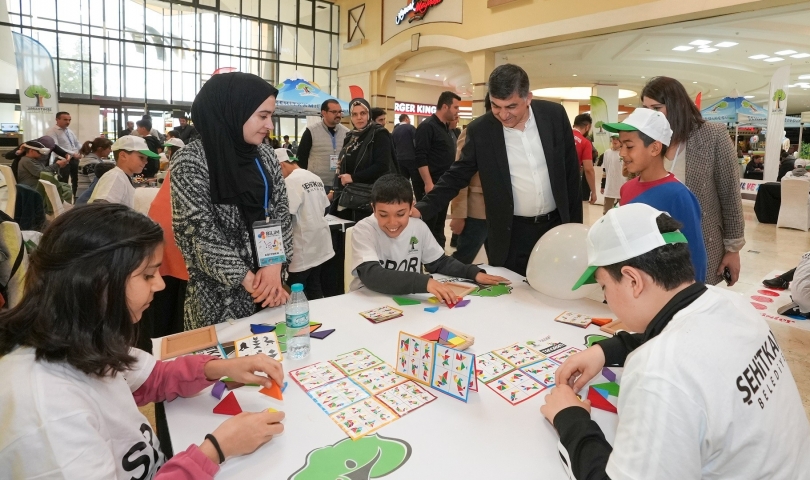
(524, 153)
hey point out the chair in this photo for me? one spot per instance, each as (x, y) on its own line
(347, 261)
(795, 209)
(11, 183)
(53, 199)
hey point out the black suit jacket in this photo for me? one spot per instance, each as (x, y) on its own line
(485, 153)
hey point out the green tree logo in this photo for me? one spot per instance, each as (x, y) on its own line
(492, 291)
(747, 104)
(599, 125)
(413, 242)
(372, 456)
(305, 87)
(39, 92)
(779, 96)
(719, 106)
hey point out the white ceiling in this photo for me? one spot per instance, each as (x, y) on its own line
(437, 67)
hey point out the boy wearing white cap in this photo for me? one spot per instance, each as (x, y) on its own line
(644, 136)
(312, 241)
(115, 186)
(705, 392)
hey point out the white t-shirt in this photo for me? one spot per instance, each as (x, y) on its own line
(115, 187)
(57, 422)
(800, 286)
(406, 253)
(711, 397)
(612, 163)
(312, 242)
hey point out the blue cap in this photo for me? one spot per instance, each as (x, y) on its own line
(297, 287)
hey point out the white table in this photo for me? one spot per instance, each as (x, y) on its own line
(144, 197)
(484, 438)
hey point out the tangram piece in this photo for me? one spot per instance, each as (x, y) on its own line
(608, 373)
(602, 392)
(445, 335)
(284, 387)
(434, 335)
(322, 334)
(600, 321)
(256, 329)
(274, 391)
(272, 410)
(433, 300)
(228, 406)
(451, 305)
(233, 385)
(314, 326)
(600, 402)
(463, 303)
(406, 301)
(218, 390)
(611, 387)
(456, 341)
(432, 309)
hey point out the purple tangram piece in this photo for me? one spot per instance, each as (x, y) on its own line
(321, 334)
(608, 373)
(218, 390)
(463, 303)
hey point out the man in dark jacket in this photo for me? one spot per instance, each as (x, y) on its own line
(404, 134)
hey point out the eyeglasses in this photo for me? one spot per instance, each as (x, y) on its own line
(335, 112)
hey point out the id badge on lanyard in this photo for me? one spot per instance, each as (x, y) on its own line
(268, 237)
(333, 159)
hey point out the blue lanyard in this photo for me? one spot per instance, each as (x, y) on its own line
(266, 192)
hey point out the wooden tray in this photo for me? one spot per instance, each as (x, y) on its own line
(613, 327)
(187, 342)
(461, 290)
(469, 340)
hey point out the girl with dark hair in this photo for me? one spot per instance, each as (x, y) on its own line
(67, 349)
(94, 152)
(221, 185)
(703, 157)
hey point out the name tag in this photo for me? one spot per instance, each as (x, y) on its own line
(269, 242)
(333, 162)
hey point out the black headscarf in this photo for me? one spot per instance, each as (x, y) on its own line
(220, 110)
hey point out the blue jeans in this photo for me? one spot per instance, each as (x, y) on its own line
(470, 240)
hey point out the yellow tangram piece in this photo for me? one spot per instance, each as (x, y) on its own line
(272, 410)
(433, 300)
(456, 341)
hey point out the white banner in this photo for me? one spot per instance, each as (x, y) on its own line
(38, 96)
(777, 107)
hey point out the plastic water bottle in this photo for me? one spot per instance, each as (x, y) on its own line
(297, 310)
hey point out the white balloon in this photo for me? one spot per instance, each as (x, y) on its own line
(557, 261)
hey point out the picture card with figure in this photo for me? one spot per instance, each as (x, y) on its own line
(560, 356)
(452, 372)
(337, 395)
(575, 319)
(405, 397)
(355, 361)
(363, 417)
(415, 357)
(215, 351)
(316, 375)
(489, 366)
(378, 378)
(516, 387)
(519, 354)
(266, 343)
(542, 371)
(381, 314)
(546, 345)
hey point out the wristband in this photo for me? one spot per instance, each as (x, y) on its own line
(216, 446)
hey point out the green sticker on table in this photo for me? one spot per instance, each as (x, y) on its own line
(372, 456)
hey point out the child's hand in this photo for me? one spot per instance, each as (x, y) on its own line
(487, 279)
(580, 368)
(244, 433)
(442, 292)
(560, 398)
(243, 369)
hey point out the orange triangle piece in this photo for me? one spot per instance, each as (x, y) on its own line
(228, 406)
(274, 391)
(600, 402)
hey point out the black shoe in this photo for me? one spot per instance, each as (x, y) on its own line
(776, 282)
(792, 310)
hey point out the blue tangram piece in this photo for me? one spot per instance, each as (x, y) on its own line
(432, 309)
(284, 387)
(602, 392)
(256, 329)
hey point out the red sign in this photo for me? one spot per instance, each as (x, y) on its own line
(420, 109)
(417, 9)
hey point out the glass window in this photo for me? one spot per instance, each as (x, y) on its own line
(70, 46)
(285, 71)
(134, 18)
(267, 70)
(306, 46)
(305, 12)
(285, 126)
(269, 9)
(134, 54)
(208, 31)
(97, 75)
(69, 13)
(134, 83)
(335, 19)
(250, 8)
(323, 49)
(208, 3)
(288, 43)
(288, 10)
(229, 6)
(74, 77)
(323, 20)
(113, 87)
(305, 72)
(322, 79)
(335, 51)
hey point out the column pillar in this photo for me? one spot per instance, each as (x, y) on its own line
(571, 109)
(481, 65)
(610, 94)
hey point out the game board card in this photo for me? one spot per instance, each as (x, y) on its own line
(575, 319)
(337, 395)
(381, 314)
(215, 351)
(405, 397)
(452, 371)
(415, 358)
(474, 382)
(378, 378)
(363, 418)
(353, 362)
(316, 375)
(542, 371)
(516, 387)
(489, 366)
(546, 345)
(519, 354)
(560, 357)
(266, 343)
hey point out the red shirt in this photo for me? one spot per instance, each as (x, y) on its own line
(635, 187)
(584, 147)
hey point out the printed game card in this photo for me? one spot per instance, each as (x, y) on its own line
(518, 354)
(382, 314)
(378, 378)
(405, 398)
(337, 395)
(353, 362)
(452, 372)
(490, 366)
(546, 345)
(266, 343)
(363, 418)
(316, 375)
(415, 358)
(516, 387)
(575, 319)
(215, 351)
(542, 371)
(560, 357)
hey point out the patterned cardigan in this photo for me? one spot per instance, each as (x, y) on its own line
(214, 240)
(713, 175)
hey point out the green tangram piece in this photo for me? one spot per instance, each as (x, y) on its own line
(281, 334)
(372, 456)
(610, 387)
(592, 339)
(406, 301)
(492, 291)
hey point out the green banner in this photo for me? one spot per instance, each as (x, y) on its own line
(599, 114)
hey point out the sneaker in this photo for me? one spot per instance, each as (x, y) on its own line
(792, 310)
(776, 282)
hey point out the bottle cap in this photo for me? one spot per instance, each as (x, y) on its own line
(297, 287)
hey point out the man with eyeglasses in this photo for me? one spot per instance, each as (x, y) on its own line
(321, 143)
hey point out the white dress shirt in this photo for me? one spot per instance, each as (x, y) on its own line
(64, 138)
(531, 185)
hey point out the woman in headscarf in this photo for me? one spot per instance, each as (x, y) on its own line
(221, 185)
(367, 154)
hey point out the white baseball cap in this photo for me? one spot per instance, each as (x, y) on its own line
(284, 156)
(624, 233)
(649, 122)
(131, 143)
(174, 142)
